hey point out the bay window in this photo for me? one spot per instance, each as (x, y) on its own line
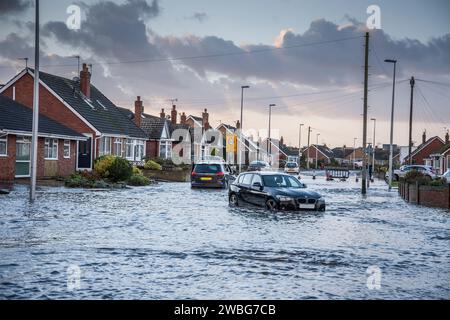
(165, 149)
(118, 147)
(51, 149)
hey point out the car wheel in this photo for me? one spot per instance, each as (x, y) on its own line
(233, 200)
(271, 204)
(396, 177)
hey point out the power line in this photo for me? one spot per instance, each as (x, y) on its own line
(215, 55)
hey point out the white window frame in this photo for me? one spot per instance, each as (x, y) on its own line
(105, 148)
(117, 143)
(47, 145)
(4, 138)
(129, 143)
(66, 144)
(168, 154)
(140, 150)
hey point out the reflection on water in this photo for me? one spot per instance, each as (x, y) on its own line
(168, 241)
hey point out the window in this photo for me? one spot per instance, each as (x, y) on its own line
(67, 149)
(51, 149)
(105, 146)
(4, 145)
(257, 178)
(140, 150)
(129, 149)
(247, 179)
(118, 147)
(165, 149)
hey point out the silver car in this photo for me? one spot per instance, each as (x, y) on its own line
(446, 176)
(428, 171)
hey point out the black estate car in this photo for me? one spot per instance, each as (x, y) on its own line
(258, 166)
(211, 175)
(273, 191)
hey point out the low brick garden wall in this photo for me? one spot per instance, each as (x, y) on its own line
(168, 175)
(438, 197)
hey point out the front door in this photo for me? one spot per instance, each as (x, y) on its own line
(84, 154)
(23, 148)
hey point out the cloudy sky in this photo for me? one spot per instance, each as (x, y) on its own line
(305, 56)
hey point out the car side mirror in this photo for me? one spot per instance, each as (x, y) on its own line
(257, 185)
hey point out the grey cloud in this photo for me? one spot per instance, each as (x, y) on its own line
(199, 16)
(14, 6)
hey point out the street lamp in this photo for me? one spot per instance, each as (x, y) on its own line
(240, 131)
(354, 152)
(269, 147)
(373, 145)
(391, 147)
(300, 144)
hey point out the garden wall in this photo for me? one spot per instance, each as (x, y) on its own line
(429, 196)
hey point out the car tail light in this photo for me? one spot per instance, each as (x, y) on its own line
(193, 173)
(220, 174)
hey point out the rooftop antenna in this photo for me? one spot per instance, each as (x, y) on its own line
(173, 101)
(26, 61)
(90, 67)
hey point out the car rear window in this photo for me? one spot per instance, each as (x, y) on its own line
(291, 165)
(208, 168)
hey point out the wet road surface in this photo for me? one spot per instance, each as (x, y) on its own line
(170, 242)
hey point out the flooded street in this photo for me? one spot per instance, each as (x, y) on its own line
(170, 242)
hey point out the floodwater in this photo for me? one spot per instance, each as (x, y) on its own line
(170, 242)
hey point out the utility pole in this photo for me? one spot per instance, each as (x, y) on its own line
(412, 82)
(35, 126)
(307, 150)
(300, 144)
(366, 80)
(374, 145)
(269, 151)
(391, 147)
(317, 147)
(240, 130)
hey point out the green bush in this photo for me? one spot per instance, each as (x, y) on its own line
(138, 180)
(103, 164)
(76, 181)
(152, 165)
(438, 182)
(415, 176)
(120, 170)
(137, 171)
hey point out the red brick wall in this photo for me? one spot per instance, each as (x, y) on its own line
(438, 197)
(152, 149)
(312, 154)
(425, 152)
(65, 167)
(7, 164)
(49, 105)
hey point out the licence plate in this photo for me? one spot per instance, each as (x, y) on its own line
(307, 206)
(206, 179)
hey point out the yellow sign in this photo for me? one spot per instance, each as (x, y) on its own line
(231, 143)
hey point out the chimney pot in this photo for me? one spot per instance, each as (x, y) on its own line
(162, 114)
(183, 118)
(174, 115)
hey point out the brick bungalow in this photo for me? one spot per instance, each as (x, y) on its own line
(324, 154)
(422, 155)
(82, 107)
(57, 144)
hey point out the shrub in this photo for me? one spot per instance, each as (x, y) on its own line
(137, 171)
(138, 180)
(103, 164)
(438, 182)
(75, 181)
(152, 165)
(415, 176)
(120, 170)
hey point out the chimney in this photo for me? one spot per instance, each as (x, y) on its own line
(162, 114)
(183, 118)
(447, 138)
(173, 115)
(238, 125)
(205, 116)
(138, 111)
(85, 81)
(424, 136)
(281, 141)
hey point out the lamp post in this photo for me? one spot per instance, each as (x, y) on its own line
(354, 152)
(373, 144)
(317, 146)
(300, 144)
(269, 151)
(240, 131)
(391, 147)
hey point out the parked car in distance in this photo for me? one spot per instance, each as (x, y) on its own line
(292, 167)
(273, 191)
(212, 174)
(446, 176)
(428, 171)
(258, 165)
